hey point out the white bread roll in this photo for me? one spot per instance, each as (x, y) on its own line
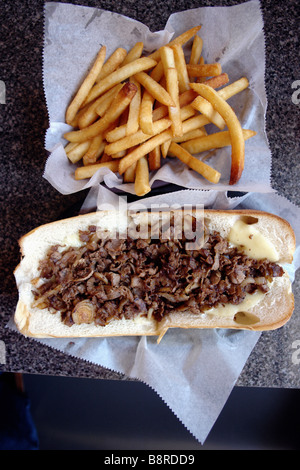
(269, 236)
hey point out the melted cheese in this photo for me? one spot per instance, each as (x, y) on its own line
(229, 310)
(71, 240)
(252, 242)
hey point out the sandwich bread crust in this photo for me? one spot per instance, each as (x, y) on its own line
(272, 309)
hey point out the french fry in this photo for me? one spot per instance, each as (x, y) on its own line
(129, 175)
(194, 134)
(205, 108)
(181, 39)
(134, 53)
(86, 86)
(77, 153)
(70, 146)
(180, 64)
(201, 79)
(187, 97)
(165, 148)
(218, 81)
(194, 123)
(107, 100)
(94, 151)
(154, 88)
(89, 114)
(184, 100)
(143, 150)
(119, 132)
(204, 70)
(234, 128)
(213, 141)
(168, 60)
(145, 116)
(104, 158)
(119, 104)
(192, 162)
(154, 158)
(112, 63)
(187, 112)
(228, 91)
(196, 50)
(85, 172)
(137, 138)
(119, 75)
(141, 184)
(132, 124)
(174, 111)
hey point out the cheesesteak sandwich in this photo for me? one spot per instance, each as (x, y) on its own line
(115, 274)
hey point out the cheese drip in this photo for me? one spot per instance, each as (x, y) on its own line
(252, 242)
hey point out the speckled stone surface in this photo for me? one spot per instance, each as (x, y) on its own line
(27, 200)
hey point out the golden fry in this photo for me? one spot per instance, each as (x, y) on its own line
(234, 128)
(94, 151)
(119, 75)
(205, 108)
(119, 104)
(70, 146)
(192, 162)
(112, 63)
(182, 39)
(132, 124)
(194, 123)
(89, 114)
(76, 154)
(145, 116)
(143, 150)
(141, 184)
(213, 141)
(180, 65)
(228, 91)
(137, 138)
(134, 53)
(196, 50)
(194, 134)
(165, 148)
(204, 70)
(86, 86)
(88, 171)
(154, 88)
(168, 60)
(154, 158)
(218, 81)
(129, 175)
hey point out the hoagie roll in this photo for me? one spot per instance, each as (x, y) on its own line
(112, 273)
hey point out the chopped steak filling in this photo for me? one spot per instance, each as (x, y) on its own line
(107, 279)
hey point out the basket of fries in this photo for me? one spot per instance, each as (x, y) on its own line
(136, 113)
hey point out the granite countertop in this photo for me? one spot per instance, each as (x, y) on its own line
(27, 200)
